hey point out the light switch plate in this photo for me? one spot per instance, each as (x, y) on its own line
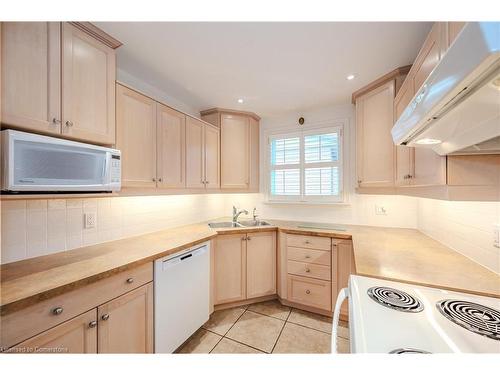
(496, 235)
(90, 220)
(380, 210)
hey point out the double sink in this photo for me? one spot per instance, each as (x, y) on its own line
(239, 224)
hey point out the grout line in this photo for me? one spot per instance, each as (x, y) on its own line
(269, 316)
(249, 346)
(221, 337)
(277, 339)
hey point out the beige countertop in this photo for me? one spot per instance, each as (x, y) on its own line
(390, 253)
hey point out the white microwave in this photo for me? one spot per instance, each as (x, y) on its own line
(37, 163)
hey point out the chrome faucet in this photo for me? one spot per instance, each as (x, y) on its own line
(255, 216)
(237, 213)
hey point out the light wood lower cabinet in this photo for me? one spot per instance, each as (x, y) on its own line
(343, 257)
(77, 335)
(261, 264)
(126, 323)
(230, 268)
(244, 266)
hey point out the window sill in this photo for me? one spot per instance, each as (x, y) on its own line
(298, 203)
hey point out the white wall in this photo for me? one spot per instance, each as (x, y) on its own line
(32, 228)
(466, 227)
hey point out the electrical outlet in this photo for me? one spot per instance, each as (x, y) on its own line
(496, 235)
(380, 210)
(90, 220)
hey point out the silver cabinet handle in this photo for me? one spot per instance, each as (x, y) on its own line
(69, 123)
(57, 311)
(105, 317)
(130, 280)
(56, 121)
(308, 291)
(93, 324)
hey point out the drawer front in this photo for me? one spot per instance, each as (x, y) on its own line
(310, 292)
(315, 271)
(300, 254)
(26, 323)
(309, 242)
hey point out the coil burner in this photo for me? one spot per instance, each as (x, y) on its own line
(395, 299)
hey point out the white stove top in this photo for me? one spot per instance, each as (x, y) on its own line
(377, 328)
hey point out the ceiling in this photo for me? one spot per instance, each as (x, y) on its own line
(274, 67)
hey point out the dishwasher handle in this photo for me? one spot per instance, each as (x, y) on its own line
(190, 255)
(343, 294)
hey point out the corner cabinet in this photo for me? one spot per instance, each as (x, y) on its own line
(244, 266)
(239, 145)
(58, 79)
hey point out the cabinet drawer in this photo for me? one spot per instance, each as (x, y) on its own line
(310, 292)
(309, 242)
(309, 270)
(308, 255)
(26, 323)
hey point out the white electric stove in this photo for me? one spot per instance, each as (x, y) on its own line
(393, 317)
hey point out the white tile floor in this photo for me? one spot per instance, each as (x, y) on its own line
(266, 327)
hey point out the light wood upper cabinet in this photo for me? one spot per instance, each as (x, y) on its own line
(230, 268)
(428, 57)
(136, 137)
(453, 29)
(31, 75)
(212, 157)
(195, 158)
(75, 336)
(59, 79)
(374, 146)
(429, 168)
(239, 148)
(171, 147)
(126, 323)
(261, 264)
(88, 87)
(235, 149)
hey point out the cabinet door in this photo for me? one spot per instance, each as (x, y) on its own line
(31, 74)
(235, 146)
(428, 57)
(404, 97)
(88, 87)
(195, 160)
(374, 145)
(254, 154)
(171, 133)
(261, 264)
(345, 266)
(429, 168)
(212, 157)
(230, 268)
(77, 335)
(126, 323)
(136, 137)
(404, 165)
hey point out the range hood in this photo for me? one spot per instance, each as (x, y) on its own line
(457, 109)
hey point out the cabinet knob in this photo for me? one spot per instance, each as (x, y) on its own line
(308, 270)
(57, 311)
(130, 280)
(207, 182)
(360, 181)
(69, 123)
(105, 317)
(160, 179)
(56, 121)
(308, 291)
(93, 324)
(243, 238)
(248, 238)
(154, 179)
(307, 256)
(307, 242)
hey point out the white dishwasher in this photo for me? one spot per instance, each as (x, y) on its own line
(181, 296)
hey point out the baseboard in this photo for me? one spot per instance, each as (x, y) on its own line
(244, 302)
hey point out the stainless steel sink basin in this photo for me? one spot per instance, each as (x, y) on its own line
(225, 224)
(254, 223)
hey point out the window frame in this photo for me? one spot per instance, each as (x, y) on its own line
(302, 165)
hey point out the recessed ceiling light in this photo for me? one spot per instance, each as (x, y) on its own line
(350, 76)
(428, 141)
(240, 100)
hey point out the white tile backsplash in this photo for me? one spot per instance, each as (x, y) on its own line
(466, 227)
(38, 227)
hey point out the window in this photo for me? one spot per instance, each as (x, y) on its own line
(306, 166)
